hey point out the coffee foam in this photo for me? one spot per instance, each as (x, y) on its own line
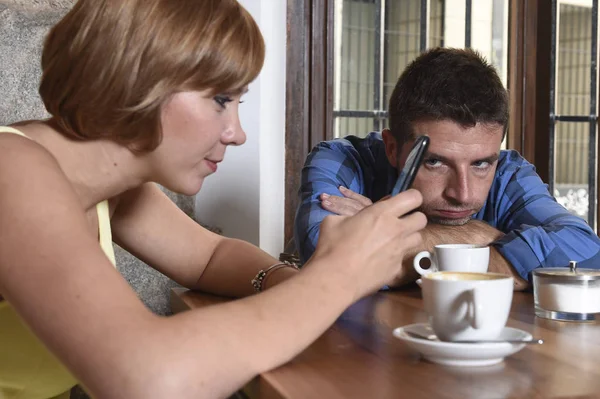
(465, 276)
(461, 246)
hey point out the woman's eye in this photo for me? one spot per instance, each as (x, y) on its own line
(222, 100)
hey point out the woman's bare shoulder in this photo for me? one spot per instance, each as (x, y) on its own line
(41, 215)
(29, 174)
(22, 156)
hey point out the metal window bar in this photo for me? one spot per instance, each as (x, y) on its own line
(359, 56)
(379, 59)
(592, 169)
(468, 22)
(424, 25)
(443, 24)
(379, 114)
(552, 132)
(385, 67)
(346, 113)
(348, 83)
(591, 118)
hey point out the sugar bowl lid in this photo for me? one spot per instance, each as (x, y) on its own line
(572, 273)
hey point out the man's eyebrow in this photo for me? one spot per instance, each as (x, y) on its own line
(433, 155)
(489, 159)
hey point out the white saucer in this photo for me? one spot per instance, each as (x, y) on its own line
(461, 354)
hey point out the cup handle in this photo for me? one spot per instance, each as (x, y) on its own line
(476, 307)
(417, 261)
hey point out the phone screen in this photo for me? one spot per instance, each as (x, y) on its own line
(411, 166)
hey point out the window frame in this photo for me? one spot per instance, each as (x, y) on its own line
(309, 91)
(309, 98)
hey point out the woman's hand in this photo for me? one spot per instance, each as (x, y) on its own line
(365, 251)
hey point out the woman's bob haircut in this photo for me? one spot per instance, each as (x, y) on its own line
(110, 65)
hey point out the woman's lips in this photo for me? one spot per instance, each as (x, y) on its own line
(212, 165)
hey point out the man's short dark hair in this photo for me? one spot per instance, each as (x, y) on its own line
(447, 84)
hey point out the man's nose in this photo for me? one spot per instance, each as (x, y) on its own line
(459, 188)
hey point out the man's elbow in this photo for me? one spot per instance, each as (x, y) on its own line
(303, 245)
(521, 285)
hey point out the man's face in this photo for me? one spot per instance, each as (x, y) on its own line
(458, 169)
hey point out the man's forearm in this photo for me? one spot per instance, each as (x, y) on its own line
(474, 232)
(499, 264)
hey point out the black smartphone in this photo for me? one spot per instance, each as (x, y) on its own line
(411, 167)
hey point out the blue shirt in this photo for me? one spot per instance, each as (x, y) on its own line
(539, 232)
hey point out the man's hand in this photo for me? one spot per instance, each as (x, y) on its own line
(473, 232)
(498, 264)
(349, 205)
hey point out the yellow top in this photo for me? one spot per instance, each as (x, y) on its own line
(27, 369)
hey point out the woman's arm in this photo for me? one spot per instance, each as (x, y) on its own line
(150, 226)
(61, 283)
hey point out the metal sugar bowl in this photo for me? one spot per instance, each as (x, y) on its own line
(567, 294)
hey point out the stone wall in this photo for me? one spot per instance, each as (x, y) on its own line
(23, 26)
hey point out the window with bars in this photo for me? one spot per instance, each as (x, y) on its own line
(375, 39)
(573, 106)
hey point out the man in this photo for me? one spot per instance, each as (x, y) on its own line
(472, 191)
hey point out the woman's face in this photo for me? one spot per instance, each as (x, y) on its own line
(197, 128)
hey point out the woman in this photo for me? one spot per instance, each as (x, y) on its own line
(143, 92)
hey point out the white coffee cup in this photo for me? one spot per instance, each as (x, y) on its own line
(454, 258)
(467, 306)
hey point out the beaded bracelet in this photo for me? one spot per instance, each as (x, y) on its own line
(258, 280)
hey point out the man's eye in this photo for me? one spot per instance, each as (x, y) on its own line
(481, 164)
(222, 100)
(432, 162)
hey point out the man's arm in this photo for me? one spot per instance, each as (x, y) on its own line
(326, 169)
(523, 224)
(474, 232)
(539, 232)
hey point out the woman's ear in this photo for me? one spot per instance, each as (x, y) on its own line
(391, 147)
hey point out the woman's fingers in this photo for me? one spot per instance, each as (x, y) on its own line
(416, 220)
(376, 239)
(400, 204)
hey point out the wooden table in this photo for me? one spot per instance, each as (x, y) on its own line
(358, 357)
